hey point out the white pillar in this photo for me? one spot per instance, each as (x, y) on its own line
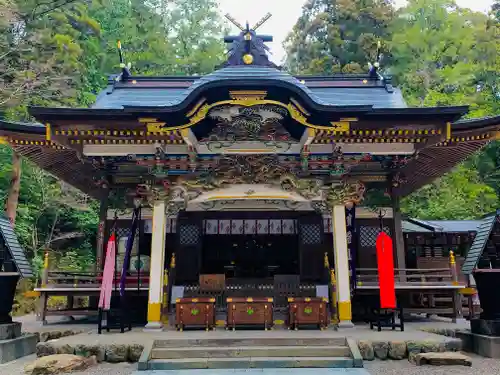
(342, 266)
(157, 267)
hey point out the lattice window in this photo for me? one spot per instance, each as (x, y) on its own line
(368, 235)
(189, 234)
(310, 234)
(125, 232)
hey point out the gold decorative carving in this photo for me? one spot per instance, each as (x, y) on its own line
(248, 95)
(155, 127)
(249, 101)
(345, 193)
(196, 107)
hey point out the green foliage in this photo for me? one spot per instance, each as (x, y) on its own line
(338, 36)
(459, 195)
(445, 55)
(439, 54)
(59, 53)
(51, 216)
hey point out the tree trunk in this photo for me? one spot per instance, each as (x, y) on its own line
(15, 184)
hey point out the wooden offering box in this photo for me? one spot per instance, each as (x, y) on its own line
(249, 312)
(308, 311)
(195, 312)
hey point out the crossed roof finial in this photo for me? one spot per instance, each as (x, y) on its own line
(247, 28)
(248, 48)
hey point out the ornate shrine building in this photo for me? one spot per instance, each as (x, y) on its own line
(251, 175)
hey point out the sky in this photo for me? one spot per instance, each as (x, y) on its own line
(286, 12)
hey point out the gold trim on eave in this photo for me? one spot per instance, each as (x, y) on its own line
(247, 101)
(48, 132)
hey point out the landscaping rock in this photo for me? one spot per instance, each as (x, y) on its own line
(134, 352)
(381, 349)
(59, 363)
(430, 346)
(37, 334)
(44, 349)
(65, 349)
(413, 348)
(366, 350)
(454, 345)
(397, 349)
(44, 336)
(54, 335)
(442, 359)
(95, 350)
(67, 333)
(116, 353)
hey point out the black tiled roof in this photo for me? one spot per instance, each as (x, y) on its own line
(479, 243)
(376, 94)
(15, 250)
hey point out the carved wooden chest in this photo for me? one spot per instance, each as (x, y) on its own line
(195, 312)
(249, 312)
(308, 311)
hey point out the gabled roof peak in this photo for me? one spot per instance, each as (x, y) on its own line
(248, 47)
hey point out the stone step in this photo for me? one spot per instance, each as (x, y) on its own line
(261, 371)
(253, 362)
(250, 351)
(260, 341)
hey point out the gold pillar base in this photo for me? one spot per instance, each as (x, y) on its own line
(345, 311)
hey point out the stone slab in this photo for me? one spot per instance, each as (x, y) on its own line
(17, 348)
(250, 351)
(265, 371)
(255, 362)
(485, 346)
(442, 359)
(485, 327)
(10, 331)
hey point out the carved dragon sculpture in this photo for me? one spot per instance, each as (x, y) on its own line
(345, 192)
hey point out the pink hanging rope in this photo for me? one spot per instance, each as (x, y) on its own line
(108, 274)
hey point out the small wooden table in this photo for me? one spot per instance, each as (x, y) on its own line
(308, 311)
(195, 312)
(249, 312)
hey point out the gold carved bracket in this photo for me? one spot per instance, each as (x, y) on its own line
(247, 98)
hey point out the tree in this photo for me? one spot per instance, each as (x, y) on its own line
(338, 36)
(41, 55)
(444, 55)
(459, 195)
(195, 30)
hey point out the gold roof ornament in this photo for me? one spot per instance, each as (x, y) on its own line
(248, 59)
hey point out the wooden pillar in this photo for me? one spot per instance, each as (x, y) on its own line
(342, 266)
(456, 297)
(42, 300)
(101, 230)
(15, 186)
(399, 240)
(156, 272)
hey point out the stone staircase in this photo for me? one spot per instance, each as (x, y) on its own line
(234, 353)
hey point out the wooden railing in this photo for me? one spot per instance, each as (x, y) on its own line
(441, 276)
(257, 288)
